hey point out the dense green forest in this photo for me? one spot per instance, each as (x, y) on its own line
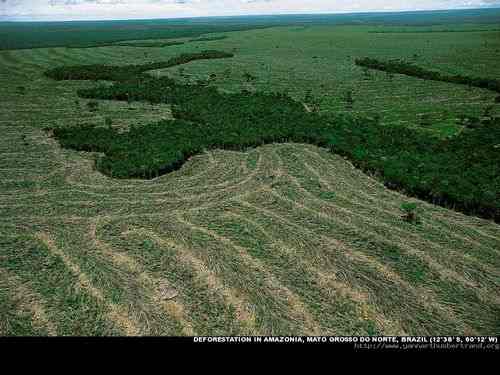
(461, 172)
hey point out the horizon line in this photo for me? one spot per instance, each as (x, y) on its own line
(291, 13)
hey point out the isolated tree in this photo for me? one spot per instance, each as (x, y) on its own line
(202, 82)
(311, 101)
(410, 212)
(108, 122)
(425, 120)
(487, 111)
(249, 77)
(349, 100)
(366, 74)
(92, 106)
(308, 98)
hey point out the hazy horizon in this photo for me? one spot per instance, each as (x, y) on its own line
(96, 10)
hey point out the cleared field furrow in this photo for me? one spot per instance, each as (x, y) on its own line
(117, 314)
(205, 308)
(23, 300)
(388, 233)
(345, 301)
(243, 309)
(297, 311)
(69, 306)
(217, 179)
(376, 278)
(414, 272)
(150, 286)
(382, 197)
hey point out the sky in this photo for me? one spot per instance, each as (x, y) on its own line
(140, 9)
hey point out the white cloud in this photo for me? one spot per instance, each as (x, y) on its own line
(120, 9)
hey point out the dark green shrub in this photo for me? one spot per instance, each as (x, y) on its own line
(249, 77)
(312, 102)
(108, 122)
(426, 120)
(410, 212)
(366, 74)
(92, 106)
(349, 100)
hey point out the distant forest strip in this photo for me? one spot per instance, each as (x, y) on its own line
(432, 31)
(153, 43)
(462, 172)
(409, 69)
(124, 73)
(208, 38)
(102, 34)
(169, 43)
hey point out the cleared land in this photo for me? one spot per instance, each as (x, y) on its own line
(281, 239)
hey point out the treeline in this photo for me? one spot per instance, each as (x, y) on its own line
(432, 31)
(129, 44)
(148, 89)
(409, 69)
(152, 44)
(159, 44)
(462, 172)
(123, 73)
(208, 38)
